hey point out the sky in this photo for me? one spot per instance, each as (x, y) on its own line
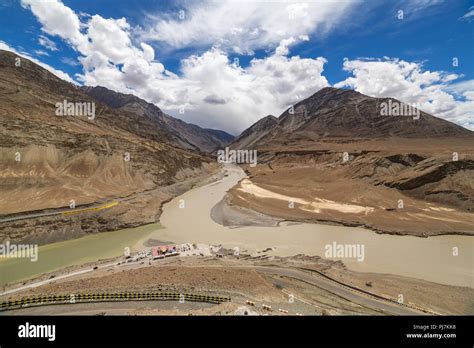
(226, 64)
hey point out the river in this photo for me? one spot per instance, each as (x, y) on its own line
(79, 251)
(425, 258)
(187, 219)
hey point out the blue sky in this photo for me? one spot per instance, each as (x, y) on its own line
(184, 61)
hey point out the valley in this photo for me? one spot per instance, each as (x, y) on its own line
(330, 171)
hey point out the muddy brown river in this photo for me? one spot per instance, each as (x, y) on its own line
(426, 258)
(187, 219)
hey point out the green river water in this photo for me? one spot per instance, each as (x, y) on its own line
(74, 252)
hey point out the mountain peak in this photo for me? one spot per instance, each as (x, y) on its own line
(114, 99)
(327, 90)
(333, 92)
(252, 134)
(183, 134)
(30, 83)
(343, 113)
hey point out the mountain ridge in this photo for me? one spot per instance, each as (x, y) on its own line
(48, 160)
(186, 135)
(343, 113)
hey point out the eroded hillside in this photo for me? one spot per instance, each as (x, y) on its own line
(338, 160)
(50, 162)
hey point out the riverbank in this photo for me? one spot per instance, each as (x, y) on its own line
(430, 259)
(263, 279)
(235, 213)
(187, 219)
(91, 247)
(324, 195)
(129, 211)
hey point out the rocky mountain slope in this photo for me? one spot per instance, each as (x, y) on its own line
(341, 113)
(150, 122)
(254, 134)
(344, 162)
(49, 161)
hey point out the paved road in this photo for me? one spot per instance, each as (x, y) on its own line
(339, 290)
(47, 281)
(60, 211)
(311, 278)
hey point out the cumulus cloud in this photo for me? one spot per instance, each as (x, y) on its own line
(267, 85)
(243, 26)
(213, 92)
(234, 97)
(214, 99)
(282, 49)
(216, 93)
(57, 19)
(435, 91)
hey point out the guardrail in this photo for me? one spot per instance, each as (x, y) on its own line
(110, 297)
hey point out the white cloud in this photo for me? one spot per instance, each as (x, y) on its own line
(218, 94)
(244, 26)
(461, 87)
(70, 61)
(435, 92)
(418, 5)
(214, 92)
(267, 85)
(41, 53)
(282, 49)
(469, 15)
(59, 73)
(57, 19)
(47, 43)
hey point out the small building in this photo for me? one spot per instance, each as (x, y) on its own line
(156, 253)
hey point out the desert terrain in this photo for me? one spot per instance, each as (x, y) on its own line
(334, 158)
(366, 189)
(315, 183)
(299, 285)
(130, 156)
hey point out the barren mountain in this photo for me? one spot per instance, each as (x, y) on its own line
(252, 135)
(344, 114)
(339, 160)
(147, 118)
(49, 162)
